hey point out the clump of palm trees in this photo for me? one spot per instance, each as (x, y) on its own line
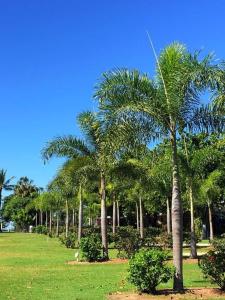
(113, 160)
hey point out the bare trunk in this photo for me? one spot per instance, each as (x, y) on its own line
(141, 218)
(118, 213)
(104, 218)
(36, 219)
(80, 217)
(114, 216)
(50, 221)
(193, 245)
(57, 223)
(46, 219)
(137, 216)
(168, 216)
(177, 221)
(73, 219)
(211, 233)
(41, 217)
(67, 218)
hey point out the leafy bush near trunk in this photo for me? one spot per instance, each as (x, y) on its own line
(91, 247)
(41, 229)
(70, 241)
(127, 241)
(213, 263)
(147, 269)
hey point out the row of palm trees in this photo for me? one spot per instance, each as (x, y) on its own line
(135, 110)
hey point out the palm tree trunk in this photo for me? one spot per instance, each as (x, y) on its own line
(114, 215)
(211, 233)
(168, 216)
(141, 218)
(67, 218)
(41, 217)
(46, 219)
(36, 219)
(104, 218)
(73, 218)
(50, 221)
(80, 217)
(137, 216)
(57, 223)
(193, 245)
(118, 213)
(177, 220)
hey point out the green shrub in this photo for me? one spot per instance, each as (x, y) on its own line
(70, 241)
(127, 241)
(165, 240)
(41, 229)
(213, 263)
(147, 269)
(91, 247)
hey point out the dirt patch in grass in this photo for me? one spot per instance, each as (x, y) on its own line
(108, 262)
(195, 293)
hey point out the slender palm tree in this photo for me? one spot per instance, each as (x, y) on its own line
(163, 107)
(95, 149)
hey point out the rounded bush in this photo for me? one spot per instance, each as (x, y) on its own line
(127, 241)
(70, 241)
(148, 268)
(213, 263)
(91, 247)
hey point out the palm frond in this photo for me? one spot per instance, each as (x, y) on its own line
(65, 146)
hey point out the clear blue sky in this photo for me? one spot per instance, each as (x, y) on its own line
(52, 53)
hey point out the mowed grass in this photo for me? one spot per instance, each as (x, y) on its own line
(35, 267)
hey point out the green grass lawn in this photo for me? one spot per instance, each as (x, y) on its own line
(34, 267)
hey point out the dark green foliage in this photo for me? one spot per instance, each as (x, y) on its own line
(70, 241)
(91, 247)
(213, 263)
(147, 269)
(40, 229)
(127, 241)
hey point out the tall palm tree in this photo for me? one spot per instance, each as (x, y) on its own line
(95, 149)
(25, 187)
(163, 107)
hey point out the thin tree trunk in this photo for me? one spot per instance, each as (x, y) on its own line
(41, 217)
(193, 245)
(67, 218)
(104, 218)
(114, 215)
(137, 216)
(168, 216)
(177, 221)
(73, 218)
(80, 217)
(211, 233)
(46, 219)
(57, 223)
(118, 213)
(36, 219)
(141, 218)
(50, 221)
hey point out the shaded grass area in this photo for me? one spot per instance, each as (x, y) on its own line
(34, 267)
